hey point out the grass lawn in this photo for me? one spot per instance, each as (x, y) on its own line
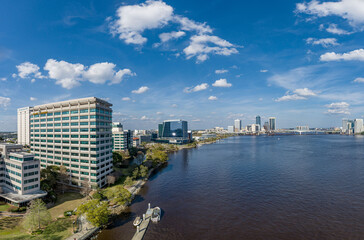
(10, 228)
(65, 202)
(5, 207)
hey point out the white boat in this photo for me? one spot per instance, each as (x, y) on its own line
(137, 221)
(156, 214)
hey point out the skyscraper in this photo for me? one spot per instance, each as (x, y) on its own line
(122, 139)
(237, 124)
(76, 134)
(272, 124)
(358, 126)
(23, 125)
(174, 131)
(258, 121)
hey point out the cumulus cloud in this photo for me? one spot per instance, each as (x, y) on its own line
(202, 86)
(325, 42)
(4, 102)
(338, 108)
(27, 69)
(351, 10)
(33, 99)
(126, 99)
(200, 47)
(144, 118)
(141, 90)
(212, 98)
(359, 80)
(332, 28)
(298, 94)
(263, 70)
(221, 71)
(221, 83)
(292, 97)
(357, 55)
(132, 20)
(69, 75)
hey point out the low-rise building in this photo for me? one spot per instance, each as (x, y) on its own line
(19, 175)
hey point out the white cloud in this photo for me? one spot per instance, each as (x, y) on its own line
(221, 71)
(190, 25)
(66, 74)
(70, 75)
(212, 98)
(202, 86)
(159, 113)
(33, 80)
(174, 105)
(335, 30)
(351, 10)
(14, 75)
(164, 37)
(134, 19)
(144, 118)
(99, 73)
(325, 42)
(305, 92)
(126, 99)
(196, 120)
(3, 79)
(263, 70)
(27, 69)
(33, 99)
(292, 97)
(359, 80)
(357, 55)
(221, 83)
(140, 90)
(200, 47)
(338, 108)
(4, 102)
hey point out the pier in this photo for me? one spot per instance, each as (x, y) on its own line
(142, 228)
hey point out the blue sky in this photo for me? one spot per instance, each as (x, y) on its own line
(208, 63)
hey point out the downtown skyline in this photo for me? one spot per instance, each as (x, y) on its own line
(154, 60)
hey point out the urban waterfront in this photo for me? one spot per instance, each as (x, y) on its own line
(257, 187)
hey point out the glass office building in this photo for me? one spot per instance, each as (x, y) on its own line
(174, 131)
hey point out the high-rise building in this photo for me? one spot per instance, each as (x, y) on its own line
(23, 125)
(266, 126)
(344, 125)
(272, 124)
(231, 129)
(122, 139)
(358, 126)
(174, 131)
(19, 175)
(76, 134)
(237, 125)
(258, 121)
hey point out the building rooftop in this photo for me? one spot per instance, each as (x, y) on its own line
(18, 198)
(73, 102)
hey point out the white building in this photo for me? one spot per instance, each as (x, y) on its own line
(23, 125)
(231, 129)
(19, 175)
(122, 139)
(358, 126)
(237, 125)
(76, 134)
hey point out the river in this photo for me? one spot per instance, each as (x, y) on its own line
(256, 187)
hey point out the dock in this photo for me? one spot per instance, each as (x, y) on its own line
(142, 228)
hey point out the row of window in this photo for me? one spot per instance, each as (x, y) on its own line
(31, 166)
(21, 159)
(97, 110)
(75, 130)
(30, 174)
(13, 165)
(12, 185)
(78, 160)
(31, 187)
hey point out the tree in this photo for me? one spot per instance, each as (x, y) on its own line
(96, 212)
(63, 177)
(135, 173)
(117, 158)
(143, 171)
(37, 215)
(110, 179)
(128, 181)
(118, 194)
(85, 188)
(133, 151)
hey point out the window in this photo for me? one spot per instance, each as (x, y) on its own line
(65, 112)
(84, 111)
(74, 112)
(49, 114)
(74, 123)
(57, 113)
(83, 123)
(84, 142)
(74, 118)
(65, 118)
(74, 142)
(83, 129)
(50, 119)
(74, 129)
(84, 117)
(65, 124)
(57, 119)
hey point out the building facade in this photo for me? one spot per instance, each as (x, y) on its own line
(76, 134)
(358, 126)
(23, 125)
(19, 174)
(173, 131)
(272, 124)
(237, 125)
(258, 121)
(231, 129)
(122, 139)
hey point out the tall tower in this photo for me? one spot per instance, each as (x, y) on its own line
(23, 125)
(272, 124)
(258, 121)
(237, 124)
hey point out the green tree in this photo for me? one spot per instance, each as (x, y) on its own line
(118, 194)
(128, 181)
(96, 212)
(143, 171)
(133, 151)
(135, 173)
(117, 158)
(37, 215)
(63, 178)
